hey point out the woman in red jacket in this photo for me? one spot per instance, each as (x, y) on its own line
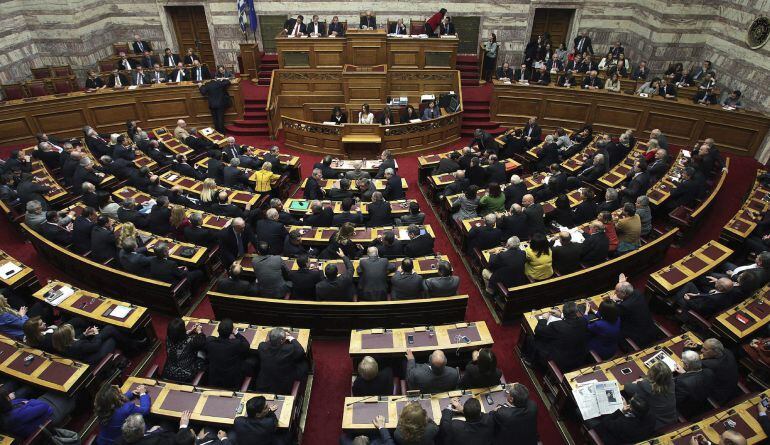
(433, 23)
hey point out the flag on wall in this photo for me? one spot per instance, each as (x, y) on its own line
(252, 17)
(242, 15)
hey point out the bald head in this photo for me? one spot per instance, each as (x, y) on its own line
(527, 200)
(372, 252)
(438, 361)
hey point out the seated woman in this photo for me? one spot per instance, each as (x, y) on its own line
(386, 118)
(39, 335)
(613, 83)
(126, 231)
(657, 387)
(342, 241)
(482, 371)
(629, 229)
(178, 221)
(466, 206)
(539, 261)
(607, 61)
(609, 230)
(12, 320)
(492, 202)
(604, 330)
(649, 88)
(93, 344)
(431, 111)
(182, 346)
(371, 380)
(20, 417)
(414, 427)
(112, 409)
(209, 192)
(338, 117)
(365, 116)
(409, 114)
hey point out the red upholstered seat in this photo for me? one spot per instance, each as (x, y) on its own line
(120, 47)
(416, 27)
(62, 85)
(61, 71)
(105, 66)
(14, 91)
(37, 88)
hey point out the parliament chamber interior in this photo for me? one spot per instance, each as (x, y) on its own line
(468, 224)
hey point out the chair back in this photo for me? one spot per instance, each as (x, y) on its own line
(62, 71)
(416, 27)
(37, 88)
(41, 73)
(14, 91)
(62, 85)
(106, 66)
(120, 47)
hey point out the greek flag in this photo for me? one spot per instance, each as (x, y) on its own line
(242, 18)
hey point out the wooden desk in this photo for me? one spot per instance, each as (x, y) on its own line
(221, 140)
(301, 207)
(370, 166)
(364, 235)
(443, 180)
(744, 414)
(755, 310)
(172, 144)
(95, 307)
(42, 176)
(23, 277)
(254, 334)
(531, 318)
(65, 115)
(44, 370)
(617, 174)
(210, 221)
(207, 405)
(360, 411)
(701, 261)
(683, 123)
(379, 184)
(190, 185)
(662, 189)
(614, 369)
(425, 338)
(745, 220)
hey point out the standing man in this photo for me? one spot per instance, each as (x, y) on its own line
(219, 101)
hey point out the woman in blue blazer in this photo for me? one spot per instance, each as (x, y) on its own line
(604, 330)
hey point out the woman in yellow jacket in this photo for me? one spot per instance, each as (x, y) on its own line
(265, 178)
(539, 263)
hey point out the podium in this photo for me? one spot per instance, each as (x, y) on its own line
(366, 47)
(361, 140)
(365, 84)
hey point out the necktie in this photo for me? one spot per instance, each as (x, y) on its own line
(580, 47)
(141, 48)
(117, 80)
(239, 241)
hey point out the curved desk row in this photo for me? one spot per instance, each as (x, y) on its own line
(109, 109)
(682, 122)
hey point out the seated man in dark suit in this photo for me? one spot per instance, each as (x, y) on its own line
(117, 80)
(379, 212)
(687, 191)
(327, 172)
(419, 244)
(373, 276)
(393, 188)
(338, 194)
(233, 284)
(159, 221)
(522, 74)
(721, 362)
(271, 231)
(271, 273)
(405, 283)
(566, 256)
(542, 76)
(445, 285)
(346, 215)
(129, 212)
(371, 380)
(486, 236)
(720, 294)
(316, 28)
(564, 340)
(596, 245)
(103, 244)
(259, 425)
(133, 261)
(515, 223)
(476, 428)
(336, 287)
(281, 362)
(390, 247)
(52, 231)
(505, 72)
(304, 280)
(506, 267)
(432, 377)
(198, 72)
(312, 188)
(638, 324)
(180, 74)
(164, 269)
(226, 208)
(227, 357)
(292, 245)
(295, 27)
(233, 177)
(518, 418)
(693, 385)
(321, 216)
(631, 425)
(197, 234)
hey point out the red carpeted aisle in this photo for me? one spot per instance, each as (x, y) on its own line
(332, 364)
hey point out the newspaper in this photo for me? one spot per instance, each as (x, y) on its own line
(661, 356)
(595, 398)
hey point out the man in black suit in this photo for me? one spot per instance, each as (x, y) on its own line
(295, 27)
(347, 215)
(86, 172)
(320, 216)
(566, 80)
(718, 295)
(721, 362)
(448, 164)
(477, 428)
(164, 269)
(133, 261)
(386, 162)
(458, 185)
(419, 244)
(170, 60)
(594, 170)
(325, 165)
(313, 189)
(630, 425)
(542, 76)
(180, 74)
(641, 71)
(120, 168)
(125, 63)
(196, 234)
(496, 171)
(30, 190)
(304, 280)
(506, 267)
(659, 166)
(514, 223)
(336, 287)
(564, 340)
(687, 191)
(117, 79)
(484, 141)
(522, 74)
(271, 231)
(53, 231)
(219, 100)
(638, 324)
(592, 82)
(582, 43)
(485, 237)
(140, 77)
(281, 362)
(405, 283)
(637, 183)
(341, 192)
(517, 418)
(566, 256)
(596, 245)
(234, 177)
(227, 357)
(393, 188)
(532, 132)
(316, 28)
(432, 377)
(534, 213)
(103, 244)
(389, 246)
(505, 72)
(335, 28)
(259, 425)
(81, 230)
(129, 212)
(199, 73)
(181, 166)
(140, 46)
(148, 61)
(445, 285)
(373, 276)
(159, 221)
(379, 212)
(693, 385)
(515, 191)
(234, 241)
(368, 20)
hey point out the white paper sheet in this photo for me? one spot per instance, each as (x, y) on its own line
(9, 269)
(61, 295)
(120, 311)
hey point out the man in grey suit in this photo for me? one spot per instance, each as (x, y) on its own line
(270, 272)
(406, 284)
(445, 285)
(357, 173)
(373, 276)
(432, 377)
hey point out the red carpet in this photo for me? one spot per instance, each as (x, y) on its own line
(332, 364)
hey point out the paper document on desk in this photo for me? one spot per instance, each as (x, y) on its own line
(207, 131)
(414, 121)
(55, 298)
(661, 356)
(596, 398)
(686, 153)
(8, 270)
(120, 311)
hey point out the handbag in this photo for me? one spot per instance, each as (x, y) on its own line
(61, 436)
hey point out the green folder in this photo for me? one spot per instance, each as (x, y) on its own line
(300, 205)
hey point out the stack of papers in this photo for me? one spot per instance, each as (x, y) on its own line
(661, 356)
(55, 298)
(120, 311)
(8, 270)
(595, 398)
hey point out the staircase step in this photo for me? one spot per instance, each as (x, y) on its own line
(475, 108)
(473, 114)
(246, 132)
(249, 117)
